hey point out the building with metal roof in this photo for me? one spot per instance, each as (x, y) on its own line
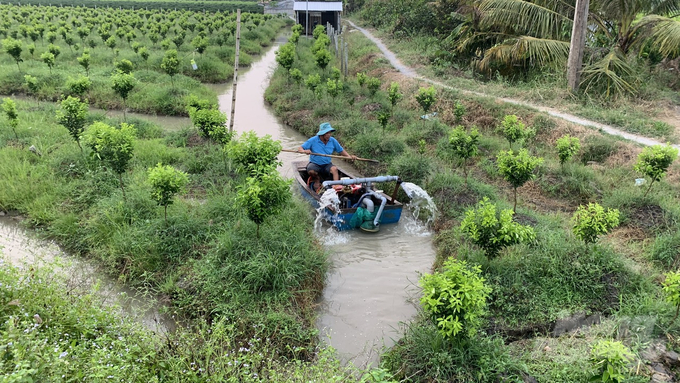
(309, 14)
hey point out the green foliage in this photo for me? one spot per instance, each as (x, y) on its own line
(166, 182)
(384, 116)
(492, 230)
(296, 28)
(567, 147)
(412, 167)
(200, 44)
(79, 86)
(513, 129)
(9, 107)
(671, 287)
(333, 88)
(253, 154)
(264, 195)
(361, 78)
(113, 147)
(73, 115)
(123, 83)
(319, 31)
(170, 64)
(517, 169)
(336, 74)
(653, 162)
(49, 59)
(322, 57)
(393, 94)
(84, 61)
(464, 145)
(458, 110)
(210, 123)
(285, 55)
(313, 81)
(455, 298)
(373, 84)
(296, 75)
(611, 359)
(589, 222)
(124, 66)
(31, 83)
(13, 48)
(426, 98)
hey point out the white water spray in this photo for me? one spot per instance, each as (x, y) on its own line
(420, 201)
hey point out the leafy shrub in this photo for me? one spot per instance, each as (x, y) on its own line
(492, 230)
(653, 162)
(165, 182)
(513, 129)
(373, 85)
(455, 298)
(254, 154)
(566, 147)
(517, 169)
(426, 97)
(464, 145)
(611, 359)
(589, 222)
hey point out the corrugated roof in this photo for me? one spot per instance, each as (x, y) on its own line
(318, 6)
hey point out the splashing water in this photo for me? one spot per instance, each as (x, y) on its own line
(329, 199)
(420, 201)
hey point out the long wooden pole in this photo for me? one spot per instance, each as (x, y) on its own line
(331, 156)
(238, 47)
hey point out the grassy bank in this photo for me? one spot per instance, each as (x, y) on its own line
(53, 332)
(205, 259)
(111, 36)
(535, 285)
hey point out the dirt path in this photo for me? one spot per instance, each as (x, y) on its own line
(410, 72)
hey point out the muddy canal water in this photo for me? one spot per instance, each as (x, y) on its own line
(372, 286)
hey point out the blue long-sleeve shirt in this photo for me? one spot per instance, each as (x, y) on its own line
(317, 146)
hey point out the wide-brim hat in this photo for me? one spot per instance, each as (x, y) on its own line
(325, 128)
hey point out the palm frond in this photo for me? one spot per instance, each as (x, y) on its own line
(664, 34)
(526, 17)
(526, 49)
(610, 77)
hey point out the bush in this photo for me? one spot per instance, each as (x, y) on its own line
(589, 222)
(455, 298)
(492, 230)
(611, 359)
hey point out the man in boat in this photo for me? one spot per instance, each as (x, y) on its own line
(323, 143)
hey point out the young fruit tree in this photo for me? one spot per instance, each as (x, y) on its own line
(10, 109)
(464, 145)
(373, 85)
(493, 230)
(567, 147)
(13, 48)
(455, 298)
(322, 58)
(210, 123)
(48, 58)
(285, 56)
(122, 83)
(426, 97)
(263, 196)
(589, 222)
(113, 147)
(73, 115)
(170, 65)
(84, 61)
(513, 129)
(393, 94)
(254, 154)
(653, 162)
(517, 169)
(166, 182)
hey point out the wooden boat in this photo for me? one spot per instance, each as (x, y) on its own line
(353, 192)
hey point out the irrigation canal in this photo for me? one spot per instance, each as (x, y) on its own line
(372, 286)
